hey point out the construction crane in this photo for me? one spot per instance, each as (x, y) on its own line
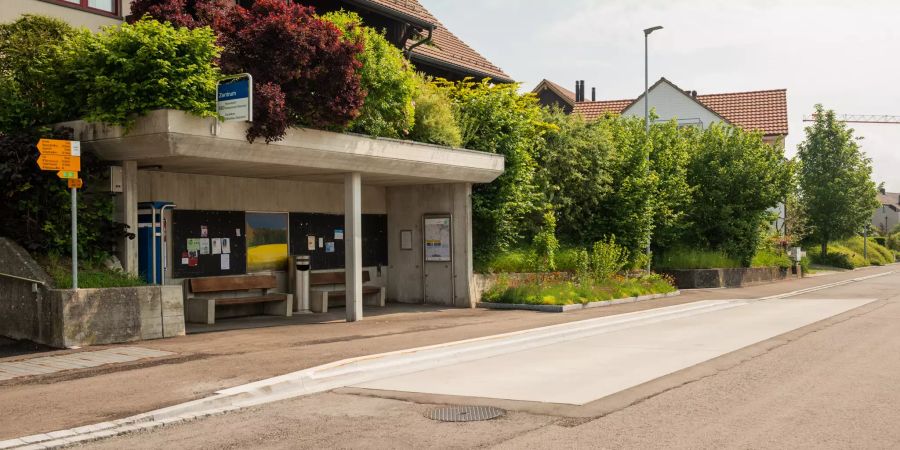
(859, 118)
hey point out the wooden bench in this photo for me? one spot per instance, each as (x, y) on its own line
(320, 296)
(202, 309)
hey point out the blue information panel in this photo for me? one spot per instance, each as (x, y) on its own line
(233, 100)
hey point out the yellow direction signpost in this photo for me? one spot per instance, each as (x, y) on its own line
(64, 158)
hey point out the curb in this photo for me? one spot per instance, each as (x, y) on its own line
(576, 306)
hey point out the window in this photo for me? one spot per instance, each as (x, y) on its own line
(108, 7)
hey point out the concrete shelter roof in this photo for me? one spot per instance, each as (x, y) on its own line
(175, 141)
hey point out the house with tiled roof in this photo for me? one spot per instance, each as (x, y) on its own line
(430, 46)
(764, 111)
(887, 216)
(552, 94)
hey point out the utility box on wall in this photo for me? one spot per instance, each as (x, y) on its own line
(115, 179)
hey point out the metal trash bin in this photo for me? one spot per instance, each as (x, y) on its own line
(298, 279)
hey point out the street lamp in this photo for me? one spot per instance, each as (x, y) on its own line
(647, 112)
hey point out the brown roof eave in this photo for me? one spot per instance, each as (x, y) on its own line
(393, 13)
(459, 68)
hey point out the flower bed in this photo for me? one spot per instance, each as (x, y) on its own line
(558, 292)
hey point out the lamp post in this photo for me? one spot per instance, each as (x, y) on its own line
(647, 112)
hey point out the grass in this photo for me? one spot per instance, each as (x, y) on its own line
(848, 254)
(575, 292)
(525, 260)
(694, 259)
(90, 274)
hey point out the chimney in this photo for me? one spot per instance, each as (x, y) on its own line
(577, 87)
(593, 94)
(693, 94)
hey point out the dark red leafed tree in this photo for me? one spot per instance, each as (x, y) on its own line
(286, 44)
(305, 73)
(181, 13)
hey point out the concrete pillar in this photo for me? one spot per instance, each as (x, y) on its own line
(461, 212)
(353, 245)
(128, 200)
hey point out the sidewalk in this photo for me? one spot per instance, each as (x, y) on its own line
(207, 362)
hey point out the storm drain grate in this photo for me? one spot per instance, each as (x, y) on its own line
(465, 413)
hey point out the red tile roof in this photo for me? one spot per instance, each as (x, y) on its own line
(758, 110)
(593, 110)
(446, 48)
(889, 198)
(764, 111)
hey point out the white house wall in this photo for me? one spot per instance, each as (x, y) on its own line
(670, 103)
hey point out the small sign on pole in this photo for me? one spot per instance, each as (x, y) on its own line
(64, 158)
(234, 98)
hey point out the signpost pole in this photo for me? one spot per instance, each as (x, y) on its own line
(74, 238)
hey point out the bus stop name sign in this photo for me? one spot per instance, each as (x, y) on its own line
(233, 100)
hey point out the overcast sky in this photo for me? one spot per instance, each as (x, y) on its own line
(843, 54)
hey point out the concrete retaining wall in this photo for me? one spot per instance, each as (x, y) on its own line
(485, 281)
(66, 318)
(114, 315)
(719, 278)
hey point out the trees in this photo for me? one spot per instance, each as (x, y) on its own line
(495, 118)
(30, 84)
(305, 69)
(736, 179)
(386, 77)
(836, 188)
(288, 47)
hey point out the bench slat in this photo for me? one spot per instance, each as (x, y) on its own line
(249, 300)
(239, 283)
(323, 278)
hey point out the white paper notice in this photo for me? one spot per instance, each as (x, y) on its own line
(321, 242)
(237, 232)
(184, 261)
(204, 246)
(226, 245)
(225, 261)
(216, 246)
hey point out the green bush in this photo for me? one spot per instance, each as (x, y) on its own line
(385, 75)
(129, 70)
(546, 244)
(30, 77)
(877, 254)
(682, 258)
(838, 256)
(607, 258)
(770, 258)
(495, 118)
(434, 120)
(893, 242)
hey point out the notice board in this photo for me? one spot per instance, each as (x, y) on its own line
(208, 243)
(321, 236)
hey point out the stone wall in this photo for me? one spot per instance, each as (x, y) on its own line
(720, 278)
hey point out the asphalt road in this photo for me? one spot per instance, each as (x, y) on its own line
(830, 384)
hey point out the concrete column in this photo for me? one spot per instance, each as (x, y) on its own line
(353, 245)
(128, 200)
(463, 285)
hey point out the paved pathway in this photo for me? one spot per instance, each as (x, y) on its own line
(619, 357)
(73, 361)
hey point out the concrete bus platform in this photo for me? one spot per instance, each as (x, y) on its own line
(586, 369)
